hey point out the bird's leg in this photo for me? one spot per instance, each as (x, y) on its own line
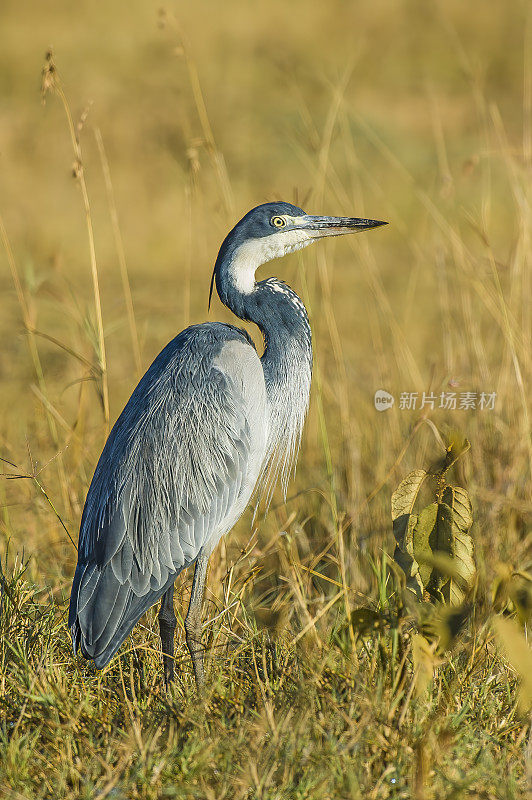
(193, 621)
(167, 626)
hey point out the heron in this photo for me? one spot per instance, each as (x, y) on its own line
(210, 426)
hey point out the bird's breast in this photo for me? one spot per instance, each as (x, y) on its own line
(241, 367)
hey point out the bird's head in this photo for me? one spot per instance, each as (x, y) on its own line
(271, 231)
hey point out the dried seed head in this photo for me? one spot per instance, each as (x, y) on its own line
(77, 168)
(83, 118)
(49, 77)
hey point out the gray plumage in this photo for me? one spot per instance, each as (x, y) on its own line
(208, 423)
(179, 461)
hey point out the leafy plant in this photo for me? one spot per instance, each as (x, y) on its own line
(434, 547)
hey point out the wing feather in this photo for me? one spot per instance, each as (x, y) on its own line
(178, 468)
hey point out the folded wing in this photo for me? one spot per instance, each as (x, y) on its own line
(177, 471)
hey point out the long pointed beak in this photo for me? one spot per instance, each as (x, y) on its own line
(335, 226)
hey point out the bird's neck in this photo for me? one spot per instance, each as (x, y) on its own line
(287, 364)
(273, 306)
(283, 321)
(287, 359)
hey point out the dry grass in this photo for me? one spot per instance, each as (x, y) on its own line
(412, 112)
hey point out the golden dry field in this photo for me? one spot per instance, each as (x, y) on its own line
(123, 164)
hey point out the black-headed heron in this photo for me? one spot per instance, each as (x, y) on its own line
(208, 423)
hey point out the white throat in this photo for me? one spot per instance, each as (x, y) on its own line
(251, 254)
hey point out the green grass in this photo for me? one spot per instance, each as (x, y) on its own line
(412, 112)
(318, 718)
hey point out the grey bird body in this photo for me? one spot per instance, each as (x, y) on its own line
(208, 423)
(177, 472)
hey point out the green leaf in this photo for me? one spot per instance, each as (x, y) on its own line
(425, 536)
(462, 550)
(425, 662)
(434, 548)
(445, 624)
(457, 446)
(458, 499)
(366, 620)
(404, 521)
(519, 655)
(404, 497)
(411, 569)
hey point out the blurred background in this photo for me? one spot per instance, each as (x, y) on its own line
(412, 112)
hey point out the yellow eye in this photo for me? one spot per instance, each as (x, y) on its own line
(278, 222)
